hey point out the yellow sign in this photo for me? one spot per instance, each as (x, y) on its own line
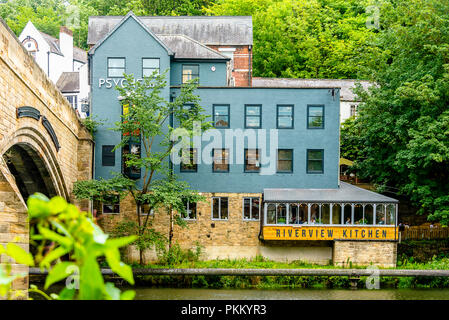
(329, 233)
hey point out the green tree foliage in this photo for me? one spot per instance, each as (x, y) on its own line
(351, 142)
(405, 118)
(306, 38)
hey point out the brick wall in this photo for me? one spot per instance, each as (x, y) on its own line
(242, 71)
(380, 253)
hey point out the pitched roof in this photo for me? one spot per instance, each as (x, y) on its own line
(216, 30)
(345, 193)
(130, 15)
(187, 48)
(69, 82)
(78, 53)
(346, 85)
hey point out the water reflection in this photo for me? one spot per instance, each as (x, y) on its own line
(290, 294)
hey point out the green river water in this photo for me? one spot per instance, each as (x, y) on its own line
(290, 294)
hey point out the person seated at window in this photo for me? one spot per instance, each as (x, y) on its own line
(313, 221)
(294, 220)
(348, 221)
(300, 221)
(382, 220)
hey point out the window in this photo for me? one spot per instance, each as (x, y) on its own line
(285, 117)
(116, 67)
(192, 164)
(112, 207)
(149, 65)
(353, 110)
(252, 160)
(315, 117)
(219, 208)
(107, 156)
(253, 116)
(220, 160)
(73, 100)
(251, 208)
(221, 116)
(285, 160)
(315, 161)
(189, 72)
(190, 213)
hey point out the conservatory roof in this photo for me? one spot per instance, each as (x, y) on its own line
(345, 193)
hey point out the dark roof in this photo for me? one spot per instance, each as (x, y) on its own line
(187, 48)
(69, 82)
(345, 193)
(346, 85)
(217, 30)
(78, 53)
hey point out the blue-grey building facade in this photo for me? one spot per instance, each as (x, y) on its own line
(293, 179)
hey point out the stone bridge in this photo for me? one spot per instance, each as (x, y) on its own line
(43, 145)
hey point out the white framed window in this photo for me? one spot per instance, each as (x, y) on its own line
(220, 208)
(73, 100)
(190, 213)
(353, 110)
(251, 208)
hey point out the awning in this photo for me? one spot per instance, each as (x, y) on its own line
(346, 162)
(346, 193)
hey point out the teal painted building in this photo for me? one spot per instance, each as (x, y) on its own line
(287, 176)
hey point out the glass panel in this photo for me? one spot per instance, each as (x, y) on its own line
(284, 154)
(221, 110)
(216, 208)
(285, 166)
(116, 72)
(191, 213)
(369, 214)
(191, 164)
(285, 111)
(358, 214)
(303, 214)
(252, 110)
(255, 208)
(246, 208)
(315, 154)
(347, 214)
(116, 63)
(336, 214)
(271, 214)
(294, 214)
(380, 214)
(252, 160)
(224, 208)
(285, 122)
(281, 214)
(149, 72)
(252, 121)
(221, 160)
(314, 214)
(325, 213)
(193, 69)
(150, 63)
(315, 166)
(315, 111)
(221, 121)
(315, 122)
(391, 214)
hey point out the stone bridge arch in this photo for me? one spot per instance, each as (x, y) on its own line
(44, 147)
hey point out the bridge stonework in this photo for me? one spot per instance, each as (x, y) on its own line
(59, 162)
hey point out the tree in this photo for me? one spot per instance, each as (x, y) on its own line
(351, 143)
(146, 121)
(405, 117)
(306, 38)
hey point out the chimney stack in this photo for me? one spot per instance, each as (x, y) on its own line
(66, 46)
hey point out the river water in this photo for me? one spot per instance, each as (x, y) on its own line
(290, 294)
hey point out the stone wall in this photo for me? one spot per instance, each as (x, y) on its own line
(362, 253)
(24, 83)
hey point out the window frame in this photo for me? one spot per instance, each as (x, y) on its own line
(307, 161)
(245, 160)
(259, 116)
(124, 67)
(277, 161)
(187, 209)
(193, 77)
(277, 115)
(213, 160)
(229, 115)
(159, 63)
(251, 209)
(219, 209)
(118, 204)
(191, 150)
(102, 155)
(322, 117)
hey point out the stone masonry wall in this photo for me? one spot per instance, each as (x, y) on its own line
(380, 253)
